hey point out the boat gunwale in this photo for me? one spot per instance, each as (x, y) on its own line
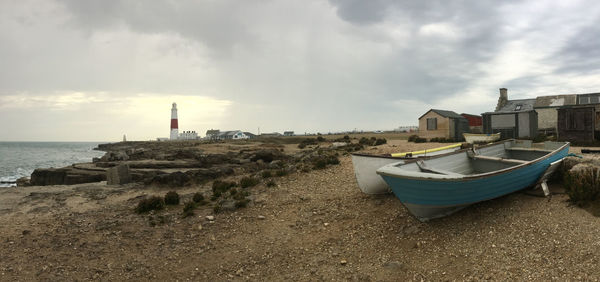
(408, 159)
(468, 177)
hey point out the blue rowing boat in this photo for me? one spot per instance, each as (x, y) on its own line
(440, 186)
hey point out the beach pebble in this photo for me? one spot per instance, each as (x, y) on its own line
(343, 262)
(261, 217)
(210, 218)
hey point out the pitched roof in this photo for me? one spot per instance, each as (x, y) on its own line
(444, 113)
(555, 101)
(228, 133)
(514, 106)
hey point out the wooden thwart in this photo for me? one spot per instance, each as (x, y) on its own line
(489, 158)
(425, 168)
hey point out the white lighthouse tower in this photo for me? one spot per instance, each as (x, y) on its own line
(174, 125)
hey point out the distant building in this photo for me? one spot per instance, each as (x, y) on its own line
(272, 134)
(250, 134)
(408, 128)
(188, 135)
(212, 133)
(441, 123)
(231, 135)
(475, 122)
(288, 133)
(512, 118)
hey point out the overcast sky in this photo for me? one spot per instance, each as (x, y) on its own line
(78, 70)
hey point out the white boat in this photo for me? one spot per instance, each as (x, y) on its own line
(365, 166)
(473, 138)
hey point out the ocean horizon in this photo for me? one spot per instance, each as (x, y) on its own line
(20, 158)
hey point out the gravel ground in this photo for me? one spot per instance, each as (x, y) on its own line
(311, 226)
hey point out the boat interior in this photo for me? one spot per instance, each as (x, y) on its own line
(484, 159)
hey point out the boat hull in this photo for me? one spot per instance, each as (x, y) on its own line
(429, 198)
(365, 167)
(368, 180)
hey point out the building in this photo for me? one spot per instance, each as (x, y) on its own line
(546, 108)
(231, 135)
(211, 134)
(576, 123)
(288, 133)
(249, 134)
(591, 99)
(188, 135)
(475, 122)
(512, 118)
(407, 128)
(272, 134)
(440, 123)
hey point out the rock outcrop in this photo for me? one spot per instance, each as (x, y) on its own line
(65, 176)
(118, 175)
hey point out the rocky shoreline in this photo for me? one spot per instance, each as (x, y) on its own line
(312, 224)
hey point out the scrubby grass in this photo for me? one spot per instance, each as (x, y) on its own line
(271, 183)
(242, 203)
(240, 195)
(248, 182)
(172, 198)
(307, 141)
(219, 187)
(322, 161)
(266, 174)
(416, 139)
(198, 197)
(281, 172)
(188, 208)
(372, 141)
(149, 204)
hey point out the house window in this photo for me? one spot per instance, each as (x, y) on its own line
(584, 100)
(518, 107)
(594, 100)
(432, 124)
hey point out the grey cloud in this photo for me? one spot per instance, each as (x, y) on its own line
(581, 54)
(218, 24)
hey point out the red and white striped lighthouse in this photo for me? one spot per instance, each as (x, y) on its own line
(174, 125)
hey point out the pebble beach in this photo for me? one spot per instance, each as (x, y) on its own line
(314, 225)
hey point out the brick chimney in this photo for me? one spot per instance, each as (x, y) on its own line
(502, 99)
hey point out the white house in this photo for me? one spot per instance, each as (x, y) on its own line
(232, 134)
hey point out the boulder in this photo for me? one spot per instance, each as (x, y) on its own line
(23, 181)
(48, 176)
(65, 176)
(118, 175)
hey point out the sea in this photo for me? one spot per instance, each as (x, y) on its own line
(19, 159)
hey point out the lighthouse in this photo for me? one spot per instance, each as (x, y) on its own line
(174, 125)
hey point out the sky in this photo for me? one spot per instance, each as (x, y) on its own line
(76, 70)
